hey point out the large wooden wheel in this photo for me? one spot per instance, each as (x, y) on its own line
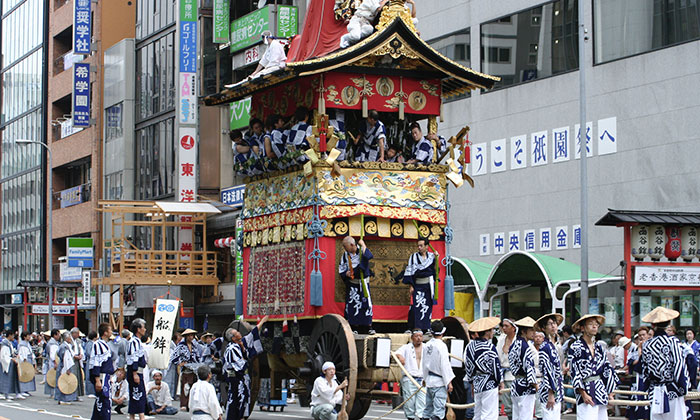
(333, 340)
(254, 370)
(458, 328)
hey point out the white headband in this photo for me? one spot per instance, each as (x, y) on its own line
(327, 365)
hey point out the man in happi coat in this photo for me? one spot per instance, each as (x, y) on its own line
(25, 354)
(355, 273)
(100, 368)
(50, 358)
(592, 375)
(551, 391)
(634, 365)
(371, 142)
(521, 360)
(135, 362)
(9, 381)
(483, 368)
(239, 352)
(187, 357)
(664, 366)
(437, 373)
(66, 361)
(420, 275)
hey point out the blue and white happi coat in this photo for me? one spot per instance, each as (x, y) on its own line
(585, 366)
(521, 359)
(422, 307)
(101, 366)
(640, 384)
(663, 365)
(236, 365)
(135, 362)
(423, 151)
(358, 307)
(278, 142)
(483, 368)
(337, 120)
(552, 377)
(297, 136)
(182, 353)
(371, 137)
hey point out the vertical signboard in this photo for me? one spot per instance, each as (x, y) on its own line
(239, 112)
(87, 287)
(287, 21)
(81, 95)
(82, 27)
(163, 325)
(221, 22)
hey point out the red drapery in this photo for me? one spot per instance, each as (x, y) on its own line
(321, 33)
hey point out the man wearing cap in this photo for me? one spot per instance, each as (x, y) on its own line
(420, 275)
(502, 347)
(411, 355)
(135, 362)
(159, 398)
(483, 368)
(664, 366)
(355, 273)
(551, 391)
(521, 359)
(185, 354)
(50, 358)
(593, 377)
(437, 373)
(100, 368)
(326, 394)
(616, 351)
(239, 352)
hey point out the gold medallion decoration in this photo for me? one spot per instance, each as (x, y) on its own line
(341, 228)
(417, 100)
(424, 231)
(350, 95)
(371, 227)
(397, 229)
(385, 86)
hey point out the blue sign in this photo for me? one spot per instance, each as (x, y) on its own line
(81, 95)
(71, 196)
(233, 196)
(82, 27)
(187, 322)
(188, 47)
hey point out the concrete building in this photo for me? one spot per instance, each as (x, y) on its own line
(642, 72)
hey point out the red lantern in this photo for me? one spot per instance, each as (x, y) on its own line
(673, 244)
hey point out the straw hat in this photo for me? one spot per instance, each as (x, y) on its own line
(26, 372)
(484, 324)
(526, 322)
(623, 341)
(578, 325)
(68, 384)
(659, 315)
(540, 323)
(205, 335)
(51, 377)
(189, 331)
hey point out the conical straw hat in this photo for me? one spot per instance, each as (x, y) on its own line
(582, 321)
(26, 372)
(539, 324)
(660, 314)
(526, 322)
(484, 324)
(51, 377)
(68, 383)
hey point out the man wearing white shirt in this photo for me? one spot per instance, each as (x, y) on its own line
(119, 390)
(159, 398)
(411, 355)
(326, 394)
(617, 352)
(437, 373)
(203, 402)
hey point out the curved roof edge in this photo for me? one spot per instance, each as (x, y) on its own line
(477, 270)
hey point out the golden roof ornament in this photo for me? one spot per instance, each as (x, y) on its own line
(395, 10)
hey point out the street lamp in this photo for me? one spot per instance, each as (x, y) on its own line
(50, 232)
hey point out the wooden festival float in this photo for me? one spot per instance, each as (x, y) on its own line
(294, 220)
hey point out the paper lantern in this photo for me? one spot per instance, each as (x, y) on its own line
(658, 240)
(640, 242)
(689, 243)
(673, 244)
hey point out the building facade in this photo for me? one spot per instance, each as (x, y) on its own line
(642, 66)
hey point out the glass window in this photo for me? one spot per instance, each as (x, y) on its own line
(155, 160)
(153, 15)
(155, 77)
(114, 126)
(457, 47)
(536, 43)
(628, 27)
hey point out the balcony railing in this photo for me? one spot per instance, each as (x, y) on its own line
(71, 196)
(135, 263)
(65, 62)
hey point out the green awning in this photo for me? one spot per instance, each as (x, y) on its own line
(468, 272)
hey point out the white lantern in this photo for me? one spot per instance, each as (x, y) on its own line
(658, 242)
(689, 243)
(640, 242)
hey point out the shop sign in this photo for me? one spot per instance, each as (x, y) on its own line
(82, 27)
(67, 273)
(287, 21)
(239, 112)
(80, 253)
(247, 30)
(71, 196)
(667, 276)
(221, 22)
(163, 325)
(16, 298)
(57, 310)
(87, 286)
(233, 196)
(81, 95)
(251, 55)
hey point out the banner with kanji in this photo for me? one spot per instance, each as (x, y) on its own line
(163, 325)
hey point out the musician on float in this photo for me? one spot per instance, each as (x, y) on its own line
(422, 151)
(551, 390)
(521, 360)
(299, 131)
(25, 354)
(664, 367)
(275, 140)
(135, 362)
(592, 375)
(355, 273)
(186, 356)
(420, 274)
(371, 141)
(100, 369)
(237, 357)
(483, 368)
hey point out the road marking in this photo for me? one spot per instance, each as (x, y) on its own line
(35, 410)
(295, 416)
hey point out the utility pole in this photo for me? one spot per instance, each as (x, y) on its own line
(583, 138)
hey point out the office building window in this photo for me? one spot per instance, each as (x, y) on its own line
(155, 77)
(114, 126)
(457, 47)
(155, 160)
(533, 44)
(628, 27)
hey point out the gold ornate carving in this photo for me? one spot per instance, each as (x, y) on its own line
(429, 87)
(395, 10)
(385, 86)
(371, 227)
(350, 95)
(432, 125)
(397, 229)
(341, 227)
(395, 47)
(332, 95)
(423, 230)
(417, 100)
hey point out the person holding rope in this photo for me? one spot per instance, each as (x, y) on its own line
(410, 355)
(593, 377)
(483, 368)
(551, 391)
(437, 373)
(355, 273)
(521, 359)
(420, 275)
(664, 367)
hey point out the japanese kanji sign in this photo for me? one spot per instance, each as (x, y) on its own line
(667, 276)
(286, 21)
(187, 107)
(163, 324)
(82, 27)
(221, 22)
(187, 170)
(247, 30)
(81, 95)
